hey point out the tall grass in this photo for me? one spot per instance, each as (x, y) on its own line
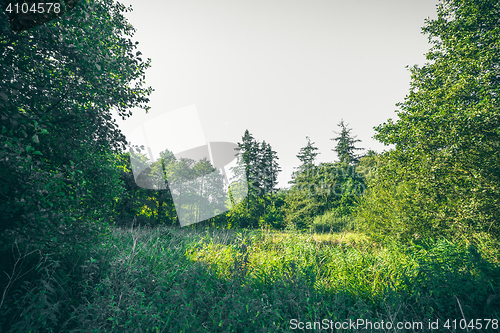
(333, 222)
(196, 280)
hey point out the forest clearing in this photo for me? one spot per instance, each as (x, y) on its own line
(96, 235)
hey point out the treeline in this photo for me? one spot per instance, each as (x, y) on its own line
(66, 174)
(315, 189)
(257, 166)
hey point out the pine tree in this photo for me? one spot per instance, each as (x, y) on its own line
(259, 164)
(345, 148)
(307, 155)
(269, 169)
(248, 160)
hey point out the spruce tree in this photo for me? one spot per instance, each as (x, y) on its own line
(248, 160)
(303, 175)
(345, 148)
(269, 169)
(307, 155)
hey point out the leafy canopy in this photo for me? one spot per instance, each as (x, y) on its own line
(445, 169)
(58, 85)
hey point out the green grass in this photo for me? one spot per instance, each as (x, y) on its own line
(333, 222)
(198, 280)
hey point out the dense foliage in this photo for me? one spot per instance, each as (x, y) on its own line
(443, 177)
(328, 188)
(59, 83)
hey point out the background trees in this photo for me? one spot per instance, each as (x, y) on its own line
(317, 189)
(443, 177)
(259, 163)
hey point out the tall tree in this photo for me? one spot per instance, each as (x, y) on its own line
(59, 178)
(447, 135)
(300, 204)
(248, 162)
(345, 147)
(269, 169)
(259, 163)
(58, 84)
(307, 155)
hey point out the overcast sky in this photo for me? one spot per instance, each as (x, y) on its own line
(283, 69)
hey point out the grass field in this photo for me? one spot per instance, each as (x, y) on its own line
(212, 280)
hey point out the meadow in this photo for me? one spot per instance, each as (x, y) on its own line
(196, 279)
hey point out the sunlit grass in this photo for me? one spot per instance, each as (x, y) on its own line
(349, 237)
(330, 262)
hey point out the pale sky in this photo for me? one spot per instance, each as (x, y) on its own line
(283, 70)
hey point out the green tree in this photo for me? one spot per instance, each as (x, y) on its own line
(248, 152)
(58, 84)
(444, 172)
(259, 163)
(209, 186)
(159, 199)
(269, 169)
(307, 155)
(345, 147)
(60, 178)
(300, 202)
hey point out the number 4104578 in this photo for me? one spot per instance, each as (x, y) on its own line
(37, 8)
